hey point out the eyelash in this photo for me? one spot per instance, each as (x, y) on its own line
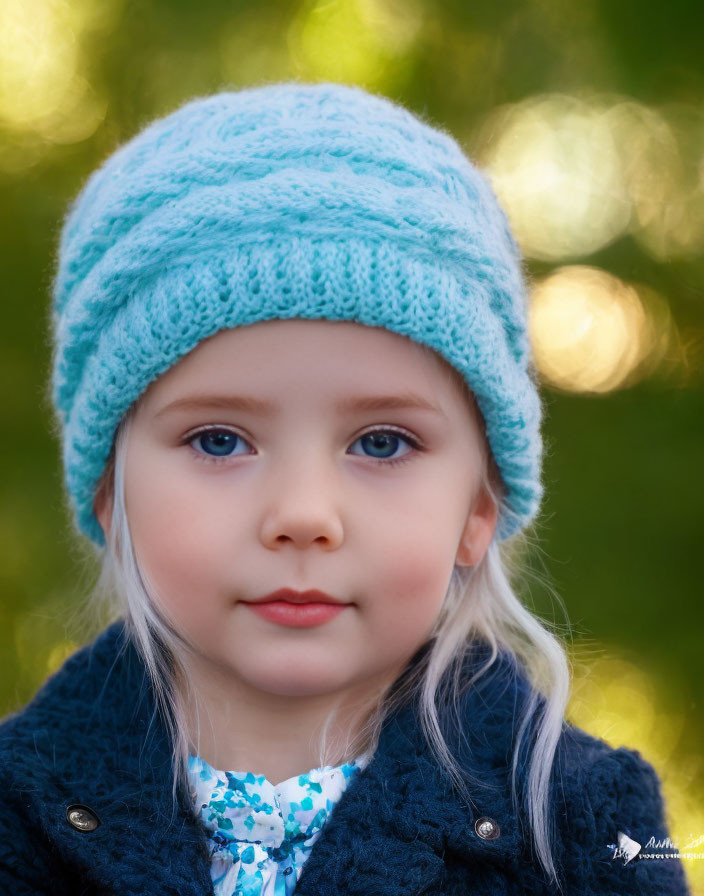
(210, 458)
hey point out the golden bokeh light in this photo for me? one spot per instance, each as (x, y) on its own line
(668, 202)
(575, 174)
(45, 97)
(39, 59)
(354, 41)
(58, 655)
(591, 332)
(554, 165)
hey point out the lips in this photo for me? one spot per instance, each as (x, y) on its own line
(290, 596)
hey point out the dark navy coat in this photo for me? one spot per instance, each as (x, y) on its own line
(90, 738)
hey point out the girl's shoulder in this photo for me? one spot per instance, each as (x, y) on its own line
(606, 782)
(53, 750)
(612, 823)
(500, 697)
(606, 801)
(583, 757)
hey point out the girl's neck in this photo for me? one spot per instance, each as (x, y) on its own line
(234, 728)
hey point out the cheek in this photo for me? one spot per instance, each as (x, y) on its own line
(178, 543)
(412, 573)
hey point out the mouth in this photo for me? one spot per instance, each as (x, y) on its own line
(288, 595)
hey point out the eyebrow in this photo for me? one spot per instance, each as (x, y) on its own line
(396, 401)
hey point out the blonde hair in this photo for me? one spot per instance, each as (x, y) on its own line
(480, 603)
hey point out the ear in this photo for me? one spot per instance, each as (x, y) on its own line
(102, 506)
(478, 530)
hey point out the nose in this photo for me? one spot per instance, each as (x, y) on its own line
(304, 510)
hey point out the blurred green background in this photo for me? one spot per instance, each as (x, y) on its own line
(589, 119)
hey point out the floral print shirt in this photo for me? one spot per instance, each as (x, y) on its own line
(259, 833)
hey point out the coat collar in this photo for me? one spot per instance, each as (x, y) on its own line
(91, 737)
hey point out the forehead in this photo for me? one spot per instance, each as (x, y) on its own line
(304, 356)
(330, 342)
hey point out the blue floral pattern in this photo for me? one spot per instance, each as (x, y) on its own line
(260, 834)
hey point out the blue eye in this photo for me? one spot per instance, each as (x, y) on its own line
(382, 440)
(221, 441)
(216, 444)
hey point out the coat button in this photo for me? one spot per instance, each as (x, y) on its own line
(82, 818)
(486, 828)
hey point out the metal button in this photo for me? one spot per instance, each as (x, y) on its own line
(82, 818)
(486, 828)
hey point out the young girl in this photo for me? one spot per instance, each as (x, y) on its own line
(301, 425)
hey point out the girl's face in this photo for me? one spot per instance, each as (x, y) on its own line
(304, 495)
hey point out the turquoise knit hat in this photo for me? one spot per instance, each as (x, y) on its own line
(281, 201)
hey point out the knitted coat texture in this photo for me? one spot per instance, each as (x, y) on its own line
(90, 737)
